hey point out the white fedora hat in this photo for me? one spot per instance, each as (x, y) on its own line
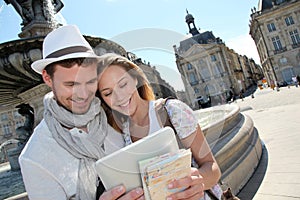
(63, 43)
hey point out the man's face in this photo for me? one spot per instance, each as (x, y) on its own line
(74, 88)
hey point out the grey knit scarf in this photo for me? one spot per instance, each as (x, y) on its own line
(86, 147)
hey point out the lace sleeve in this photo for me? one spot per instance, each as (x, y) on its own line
(182, 118)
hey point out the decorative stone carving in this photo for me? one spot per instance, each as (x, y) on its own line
(37, 15)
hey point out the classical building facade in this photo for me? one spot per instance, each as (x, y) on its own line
(211, 71)
(275, 29)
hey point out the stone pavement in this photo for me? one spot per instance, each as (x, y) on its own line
(276, 115)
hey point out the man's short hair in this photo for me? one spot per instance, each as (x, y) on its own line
(68, 63)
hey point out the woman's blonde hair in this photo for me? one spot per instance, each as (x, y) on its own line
(144, 88)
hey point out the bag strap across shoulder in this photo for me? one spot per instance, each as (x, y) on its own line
(164, 118)
(162, 113)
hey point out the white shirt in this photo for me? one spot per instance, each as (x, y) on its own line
(48, 170)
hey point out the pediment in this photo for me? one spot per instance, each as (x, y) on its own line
(198, 50)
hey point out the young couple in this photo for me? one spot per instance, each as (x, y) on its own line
(58, 162)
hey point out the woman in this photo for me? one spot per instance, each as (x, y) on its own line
(130, 106)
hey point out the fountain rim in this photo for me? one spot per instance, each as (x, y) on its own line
(229, 109)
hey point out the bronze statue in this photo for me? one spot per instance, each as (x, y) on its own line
(24, 132)
(40, 10)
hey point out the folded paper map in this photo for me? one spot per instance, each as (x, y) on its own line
(159, 171)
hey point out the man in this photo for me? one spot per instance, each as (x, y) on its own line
(58, 160)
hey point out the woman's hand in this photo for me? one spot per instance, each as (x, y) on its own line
(193, 184)
(118, 192)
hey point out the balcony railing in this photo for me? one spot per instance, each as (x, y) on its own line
(296, 45)
(283, 49)
(194, 83)
(7, 135)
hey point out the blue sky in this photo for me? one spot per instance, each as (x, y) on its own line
(150, 28)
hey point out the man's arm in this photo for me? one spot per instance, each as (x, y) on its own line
(39, 183)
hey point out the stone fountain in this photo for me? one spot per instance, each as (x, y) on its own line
(234, 141)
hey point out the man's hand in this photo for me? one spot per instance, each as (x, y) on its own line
(118, 192)
(193, 184)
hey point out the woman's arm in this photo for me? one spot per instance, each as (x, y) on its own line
(191, 136)
(201, 179)
(208, 167)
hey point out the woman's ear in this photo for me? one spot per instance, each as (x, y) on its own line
(47, 79)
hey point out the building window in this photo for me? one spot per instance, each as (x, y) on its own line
(4, 116)
(276, 43)
(271, 27)
(193, 79)
(289, 20)
(295, 37)
(189, 66)
(19, 124)
(283, 60)
(217, 70)
(205, 74)
(287, 74)
(213, 58)
(6, 130)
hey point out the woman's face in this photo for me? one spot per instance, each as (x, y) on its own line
(118, 89)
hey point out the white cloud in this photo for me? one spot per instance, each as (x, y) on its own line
(1, 8)
(244, 45)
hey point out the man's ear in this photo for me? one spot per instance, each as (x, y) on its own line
(47, 79)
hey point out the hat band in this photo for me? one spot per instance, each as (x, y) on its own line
(69, 50)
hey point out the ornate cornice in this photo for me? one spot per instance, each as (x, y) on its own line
(34, 93)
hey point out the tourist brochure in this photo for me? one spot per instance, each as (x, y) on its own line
(158, 171)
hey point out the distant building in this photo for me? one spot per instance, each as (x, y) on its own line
(181, 95)
(160, 87)
(211, 71)
(10, 120)
(275, 29)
